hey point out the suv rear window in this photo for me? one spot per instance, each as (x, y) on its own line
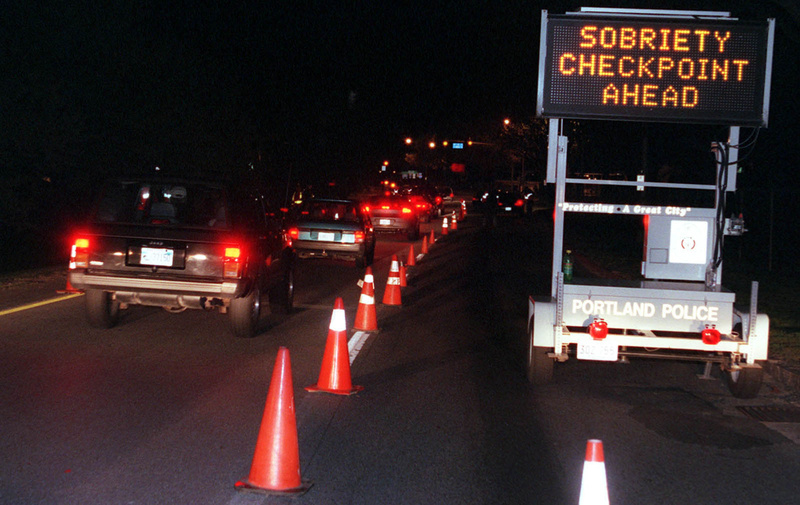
(158, 203)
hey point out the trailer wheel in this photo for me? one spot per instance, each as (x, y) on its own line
(540, 366)
(745, 382)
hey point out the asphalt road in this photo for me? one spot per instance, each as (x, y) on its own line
(166, 408)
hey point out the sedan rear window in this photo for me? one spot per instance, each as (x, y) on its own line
(157, 203)
(317, 210)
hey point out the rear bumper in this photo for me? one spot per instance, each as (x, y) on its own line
(314, 249)
(394, 225)
(207, 288)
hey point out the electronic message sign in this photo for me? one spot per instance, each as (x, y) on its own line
(714, 71)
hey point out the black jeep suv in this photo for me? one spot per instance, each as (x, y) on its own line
(183, 243)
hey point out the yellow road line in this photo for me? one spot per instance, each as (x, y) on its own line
(39, 304)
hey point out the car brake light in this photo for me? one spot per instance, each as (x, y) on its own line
(79, 255)
(406, 210)
(386, 207)
(519, 203)
(232, 265)
(438, 200)
(294, 233)
(359, 237)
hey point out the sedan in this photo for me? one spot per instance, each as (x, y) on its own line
(328, 228)
(394, 214)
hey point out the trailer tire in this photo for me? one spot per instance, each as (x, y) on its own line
(746, 381)
(540, 366)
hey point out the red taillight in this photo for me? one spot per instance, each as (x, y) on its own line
(711, 335)
(386, 207)
(359, 236)
(519, 203)
(79, 255)
(406, 210)
(598, 329)
(294, 233)
(232, 264)
(438, 200)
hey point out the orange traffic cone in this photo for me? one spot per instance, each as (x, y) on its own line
(334, 376)
(594, 490)
(433, 237)
(68, 289)
(412, 258)
(453, 223)
(276, 463)
(392, 294)
(403, 276)
(444, 226)
(425, 244)
(463, 209)
(366, 316)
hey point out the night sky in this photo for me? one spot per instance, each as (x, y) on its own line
(90, 89)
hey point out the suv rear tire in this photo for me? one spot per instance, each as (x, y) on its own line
(244, 313)
(101, 310)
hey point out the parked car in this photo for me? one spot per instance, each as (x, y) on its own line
(394, 214)
(328, 228)
(183, 243)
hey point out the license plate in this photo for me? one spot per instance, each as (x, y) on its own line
(323, 235)
(348, 238)
(155, 256)
(385, 222)
(597, 350)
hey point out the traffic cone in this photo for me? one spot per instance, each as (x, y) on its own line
(433, 237)
(463, 209)
(453, 224)
(392, 294)
(68, 289)
(425, 244)
(403, 276)
(366, 316)
(334, 376)
(444, 226)
(276, 462)
(594, 490)
(412, 258)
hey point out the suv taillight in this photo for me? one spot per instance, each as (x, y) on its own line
(79, 255)
(359, 237)
(232, 264)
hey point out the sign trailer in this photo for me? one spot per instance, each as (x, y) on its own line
(661, 66)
